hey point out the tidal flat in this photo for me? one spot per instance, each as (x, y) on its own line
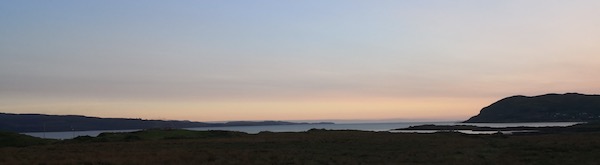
(311, 147)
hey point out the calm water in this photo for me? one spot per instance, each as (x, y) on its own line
(305, 127)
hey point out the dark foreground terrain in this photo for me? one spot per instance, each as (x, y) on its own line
(311, 147)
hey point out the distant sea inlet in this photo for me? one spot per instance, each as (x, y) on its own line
(305, 127)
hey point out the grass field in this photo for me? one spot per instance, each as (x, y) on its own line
(312, 147)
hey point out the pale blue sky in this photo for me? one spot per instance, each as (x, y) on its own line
(56, 54)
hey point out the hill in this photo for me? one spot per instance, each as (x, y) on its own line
(569, 107)
(55, 123)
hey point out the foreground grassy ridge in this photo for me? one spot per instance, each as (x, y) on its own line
(320, 147)
(155, 134)
(10, 139)
(593, 126)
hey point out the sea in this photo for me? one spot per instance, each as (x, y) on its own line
(389, 127)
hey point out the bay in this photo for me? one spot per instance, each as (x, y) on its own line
(306, 127)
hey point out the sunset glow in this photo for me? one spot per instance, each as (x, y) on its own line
(291, 60)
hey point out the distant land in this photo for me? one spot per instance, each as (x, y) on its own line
(569, 107)
(522, 130)
(57, 123)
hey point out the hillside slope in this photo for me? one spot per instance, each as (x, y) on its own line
(570, 107)
(54, 123)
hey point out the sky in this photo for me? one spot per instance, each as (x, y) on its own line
(204, 60)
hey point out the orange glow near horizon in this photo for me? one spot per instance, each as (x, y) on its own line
(351, 109)
(291, 60)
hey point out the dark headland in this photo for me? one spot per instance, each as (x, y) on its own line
(57, 123)
(569, 107)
